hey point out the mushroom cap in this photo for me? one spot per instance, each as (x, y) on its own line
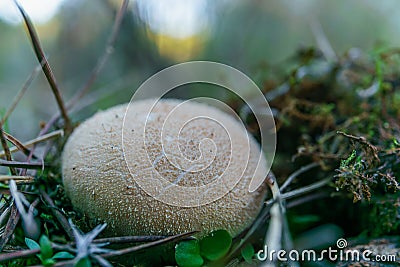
(165, 172)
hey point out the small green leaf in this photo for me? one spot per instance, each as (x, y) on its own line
(45, 247)
(48, 262)
(4, 186)
(63, 255)
(83, 262)
(248, 253)
(306, 219)
(215, 245)
(396, 142)
(31, 244)
(187, 254)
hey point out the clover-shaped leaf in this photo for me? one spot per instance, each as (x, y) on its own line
(248, 253)
(31, 244)
(46, 251)
(187, 254)
(215, 245)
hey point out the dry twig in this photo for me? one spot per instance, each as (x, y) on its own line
(25, 165)
(35, 141)
(10, 227)
(148, 245)
(20, 94)
(58, 214)
(46, 66)
(6, 149)
(103, 59)
(16, 178)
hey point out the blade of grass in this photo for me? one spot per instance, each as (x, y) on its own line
(278, 233)
(128, 239)
(18, 144)
(18, 254)
(147, 245)
(297, 173)
(88, 84)
(25, 165)
(16, 178)
(35, 141)
(46, 66)
(6, 149)
(10, 227)
(120, 252)
(58, 214)
(21, 93)
(67, 247)
(103, 59)
(303, 190)
(322, 41)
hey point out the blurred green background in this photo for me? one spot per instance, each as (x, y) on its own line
(252, 36)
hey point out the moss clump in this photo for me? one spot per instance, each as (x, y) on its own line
(384, 216)
(344, 115)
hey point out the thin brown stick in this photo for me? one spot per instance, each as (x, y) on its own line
(147, 245)
(308, 198)
(296, 174)
(7, 191)
(16, 178)
(101, 93)
(129, 239)
(104, 58)
(363, 141)
(116, 240)
(6, 149)
(25, 165)
(35, 141)
(303, 190)
(17, 143)
(46, 66)
(22, 253)
(10, 227)
(264, 215)
(29, 252)
(95, 72)
(275, 231)
(120, 252)
(322, 41)
(58, 214)
(5, 207)
(122, 239)
(21, 93)
(18, 254)
(260, 219)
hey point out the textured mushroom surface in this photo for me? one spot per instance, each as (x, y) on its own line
(115, 181)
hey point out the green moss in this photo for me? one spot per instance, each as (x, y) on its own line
(384, 216)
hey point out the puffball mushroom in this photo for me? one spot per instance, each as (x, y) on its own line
(115, 180)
